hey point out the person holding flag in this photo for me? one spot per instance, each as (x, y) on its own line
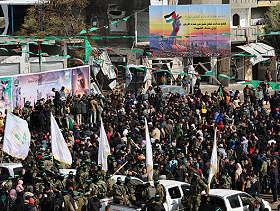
(104, 148)
(149, 153)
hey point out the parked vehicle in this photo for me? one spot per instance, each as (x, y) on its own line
(224, 199)
(9, 170)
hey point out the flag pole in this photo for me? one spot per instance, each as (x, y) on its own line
(120, 168)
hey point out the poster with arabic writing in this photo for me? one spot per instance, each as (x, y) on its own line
(190, 30)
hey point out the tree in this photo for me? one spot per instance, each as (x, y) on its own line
(58, 18)
(272, 23)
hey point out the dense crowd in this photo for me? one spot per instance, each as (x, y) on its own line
(182, 129)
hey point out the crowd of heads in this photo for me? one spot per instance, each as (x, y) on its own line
(182, 129)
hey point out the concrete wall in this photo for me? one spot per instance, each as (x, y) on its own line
(244, 14)
(248, 69)
(263, 67)
(224, 69)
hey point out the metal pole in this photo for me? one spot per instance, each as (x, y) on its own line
(12, 16)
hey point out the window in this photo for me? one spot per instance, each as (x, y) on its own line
(174, 192)
(18, 170)
(234, 201)
(212, 203)
(186, 188)
(4, 173)
(236, 20)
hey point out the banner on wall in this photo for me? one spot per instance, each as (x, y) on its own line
(33, 87)
(6, 103)
(80, 81)
(190, 30)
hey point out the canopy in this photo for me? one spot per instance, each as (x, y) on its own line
(261, 50)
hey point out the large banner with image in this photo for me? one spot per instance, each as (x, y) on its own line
(190, 30)
(5, 95)
(34, 87)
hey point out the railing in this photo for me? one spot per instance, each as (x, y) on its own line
(238, 35)
(267, 3)
(243, 3)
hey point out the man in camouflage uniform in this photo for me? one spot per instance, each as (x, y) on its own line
(70, 180)
(102, 187)
(225, 180)
(8, 185)
(130, 189)
(48, 164)
(109, 182)
(59, 184)
(100, 172)
(254, 203)
(197, 186)
(156, 172)
(120, 196)
(82, 178)
(90, 188)
(160, 190)
(169, 175)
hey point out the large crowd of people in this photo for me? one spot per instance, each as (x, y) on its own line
(182, 129)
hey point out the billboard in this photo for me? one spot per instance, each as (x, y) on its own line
(5, 95)
(80, 80)
(33, 87)
(190, 30)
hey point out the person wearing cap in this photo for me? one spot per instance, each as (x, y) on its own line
(160, 190)
(197, 186)
(120, 195)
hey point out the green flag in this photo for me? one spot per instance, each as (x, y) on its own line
(210, 73)
(274, 86)
(221, 91)
(181, 73)
(93, 29)
(255, 83)
(83, 32)
(225, 76)
(88, 49)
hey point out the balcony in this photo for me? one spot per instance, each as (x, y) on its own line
(238, 35)
(241, 3)
(265, 3)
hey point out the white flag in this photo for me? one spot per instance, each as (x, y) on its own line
(16, 137)
(59, 147)
(149, 154)
(104, 148)
(213, 162)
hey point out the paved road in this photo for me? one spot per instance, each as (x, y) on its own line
(268, 197)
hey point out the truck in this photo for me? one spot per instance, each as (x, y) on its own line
(217, 199)
(9, 170)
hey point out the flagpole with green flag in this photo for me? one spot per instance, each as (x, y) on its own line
(40, 55)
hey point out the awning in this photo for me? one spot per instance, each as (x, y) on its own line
(261, 50)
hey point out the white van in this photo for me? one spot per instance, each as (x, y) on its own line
(224, 199)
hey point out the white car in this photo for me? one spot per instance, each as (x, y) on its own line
(10, 170)
(226, 200)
